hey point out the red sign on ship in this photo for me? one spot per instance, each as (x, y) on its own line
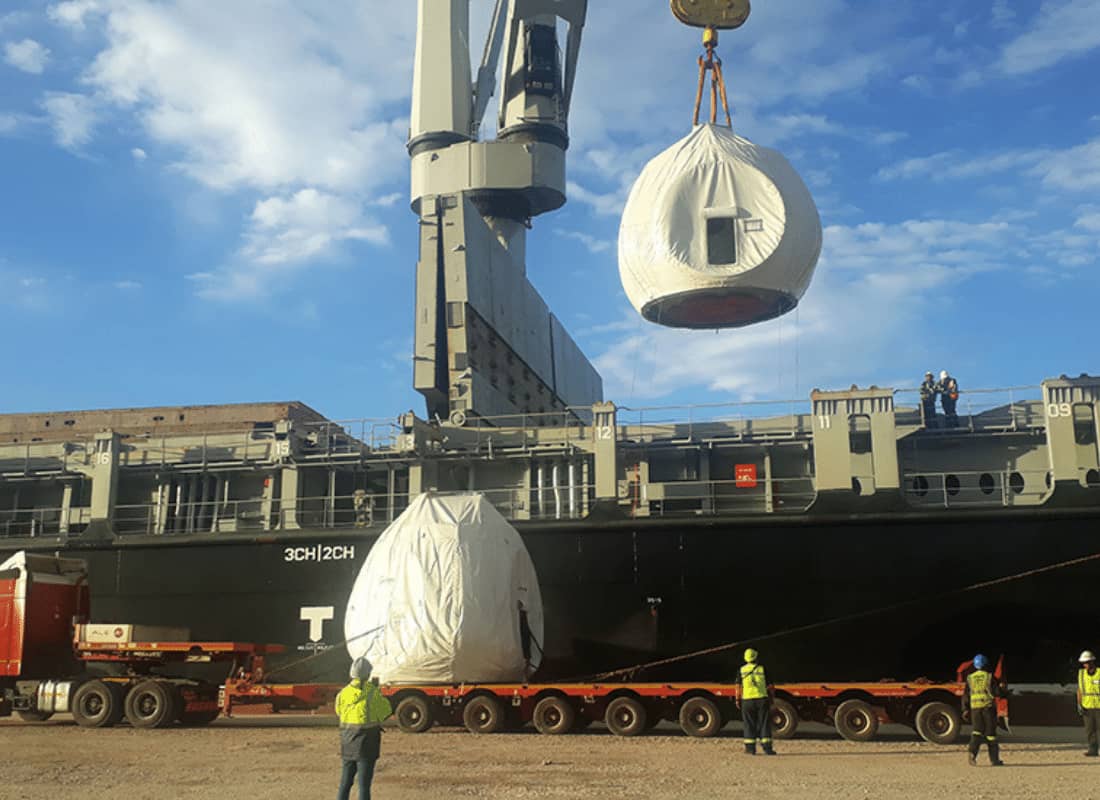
(745, 476)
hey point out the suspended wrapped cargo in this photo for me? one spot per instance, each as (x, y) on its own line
(439, 597)
(717, 233)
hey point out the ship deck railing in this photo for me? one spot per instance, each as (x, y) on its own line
(780, 495)
(337, 443)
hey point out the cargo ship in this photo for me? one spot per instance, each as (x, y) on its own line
(651, 537)
(845, 535)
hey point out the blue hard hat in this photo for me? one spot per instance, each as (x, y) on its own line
(980, 661)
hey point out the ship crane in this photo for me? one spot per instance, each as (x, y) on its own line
(485, 342)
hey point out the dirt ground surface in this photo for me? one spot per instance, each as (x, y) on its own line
(296, 757)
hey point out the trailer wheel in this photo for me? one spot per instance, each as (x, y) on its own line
(700, 717)
(98, 704)
(938, 723)
(483, 714)
(784, 719)
(554, 716)
(856, 721)
(35, 716)
(625, 716)
(152, 704)
(414, 714)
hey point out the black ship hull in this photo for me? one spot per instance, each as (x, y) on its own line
(853, 598)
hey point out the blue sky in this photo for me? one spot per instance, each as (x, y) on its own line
(207, 203)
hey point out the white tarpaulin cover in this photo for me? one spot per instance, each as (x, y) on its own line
(717, 232)
(442, 586)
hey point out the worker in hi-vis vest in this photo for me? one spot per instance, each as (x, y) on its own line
(1088, 701)
(756, 705)
(362, 709)
(979, 704)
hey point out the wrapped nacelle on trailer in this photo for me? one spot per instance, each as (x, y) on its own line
(441, 596)
(717, 233)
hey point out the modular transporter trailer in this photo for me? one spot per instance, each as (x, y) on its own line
(701, 709)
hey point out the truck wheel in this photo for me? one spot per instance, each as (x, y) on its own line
(700, 717)
(938, 723)
(625, 716)
(414, 714)
(483, 714)
(152, 704)
(554, 716)
(856, 721)
(98, 704)
(35, 716)
(784, 719)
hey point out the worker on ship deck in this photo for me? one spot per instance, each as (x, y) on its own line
(362, 709)
(756, 705)
(1088, 701)
(979, 704)
(949, 399)
(928, 391)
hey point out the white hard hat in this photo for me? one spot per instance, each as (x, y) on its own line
(360, 669)
(943, 374)
(1086, 657)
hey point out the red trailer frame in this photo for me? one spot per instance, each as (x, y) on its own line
(701, 709)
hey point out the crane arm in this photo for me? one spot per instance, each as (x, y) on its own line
(490, 60)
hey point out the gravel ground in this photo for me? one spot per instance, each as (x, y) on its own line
(295, 757)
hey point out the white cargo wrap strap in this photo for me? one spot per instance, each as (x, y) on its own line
(663, 242)
(440, 589)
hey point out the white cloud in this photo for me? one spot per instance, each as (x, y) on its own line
(138, 154)
(72, 116)
(919, 83)
(1089, 220)
(13, 19)
(1063, 29)
(286, 103)
(1076, 169)
(8, 123)
(296, 101)
(127, 286)
(391, 199)
(27, 55)
(593, 244)
(21, 290)
(1072, 169)
(1003, 15)
(956, 164)
(285, 233)
(74, 12)
(606, 204)
(304, 225)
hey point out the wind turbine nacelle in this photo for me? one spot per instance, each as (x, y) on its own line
(717, 233)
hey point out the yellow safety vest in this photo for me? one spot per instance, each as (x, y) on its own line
(753, 683)
(981, 689)
(361, 706)
(1089, 686)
